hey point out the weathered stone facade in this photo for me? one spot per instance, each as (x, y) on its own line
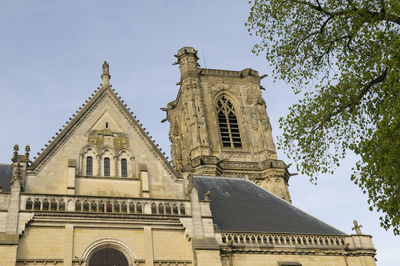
(102, 184)
(195, 132)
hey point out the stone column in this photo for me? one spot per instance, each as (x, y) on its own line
(71, 177)
(148, 243)
(68, 244)
(116, 168)
(98, 165)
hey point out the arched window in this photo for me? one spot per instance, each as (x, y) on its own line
(93, 206)
(167, 209)
(101, 206)
(139, 207)
(108, 256)
(36, 205)
(106, 166)
(153, 208)
(61, 206)
(228, 124)
(175, 209)
(124, 168)
(29, 204)
(86, 206)
(78, 206)
(109, 207)
(89, 165)
(45, 205)
(124, 207)
(116, 207)
(182, 209)
(132, 207)
(53, 205)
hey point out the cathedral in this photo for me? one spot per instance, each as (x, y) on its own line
(101, 193)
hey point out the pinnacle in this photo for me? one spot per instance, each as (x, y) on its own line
(106, 75)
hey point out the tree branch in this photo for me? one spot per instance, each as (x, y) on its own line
(357, 100)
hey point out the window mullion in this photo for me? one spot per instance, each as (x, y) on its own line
(229, 129)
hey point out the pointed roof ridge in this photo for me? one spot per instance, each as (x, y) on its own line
(62, 133)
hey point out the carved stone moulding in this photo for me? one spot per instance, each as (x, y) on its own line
(96, 138)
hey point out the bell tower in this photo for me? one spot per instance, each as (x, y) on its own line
(219, 126)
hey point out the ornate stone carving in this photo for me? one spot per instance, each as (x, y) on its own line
(97, 138)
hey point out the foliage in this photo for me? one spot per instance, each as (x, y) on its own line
(350, 51)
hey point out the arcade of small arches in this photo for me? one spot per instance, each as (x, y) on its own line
(133, 207)
(107, 162)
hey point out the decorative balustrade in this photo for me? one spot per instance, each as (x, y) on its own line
(271, 239)
(104, 205)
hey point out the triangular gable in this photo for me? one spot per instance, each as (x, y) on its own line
(74, 122)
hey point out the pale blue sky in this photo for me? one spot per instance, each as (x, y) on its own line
(50, 63)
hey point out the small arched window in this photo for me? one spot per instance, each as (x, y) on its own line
(106, 166)
(53, 205)
(29, 204)
(89, 165)
(61, 206)
(228, 124)
(124, 168)
(45, 205)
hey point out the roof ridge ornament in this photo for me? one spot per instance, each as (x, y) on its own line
(106, 75)
(357, 227)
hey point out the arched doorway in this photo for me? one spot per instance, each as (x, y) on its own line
(108, 257)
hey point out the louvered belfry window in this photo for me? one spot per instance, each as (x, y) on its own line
(228, 124)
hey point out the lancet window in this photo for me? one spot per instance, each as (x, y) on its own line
(228, 124)
(106, 162)
(89, 165)
(124, 168)
(106, 166)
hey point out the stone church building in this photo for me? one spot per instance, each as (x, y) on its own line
(102, 193)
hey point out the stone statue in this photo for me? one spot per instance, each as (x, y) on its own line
(106, 74)
(106, 68)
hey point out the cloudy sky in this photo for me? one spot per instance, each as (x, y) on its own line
(50, 63)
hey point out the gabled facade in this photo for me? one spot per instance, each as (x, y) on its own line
(102, 193)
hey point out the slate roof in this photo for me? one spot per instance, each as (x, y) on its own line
(5, 176)
(241, 206)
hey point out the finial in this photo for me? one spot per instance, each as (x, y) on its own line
(16, 149)
(106, 74)
(357, 227)
(27, 150)
(207, 195)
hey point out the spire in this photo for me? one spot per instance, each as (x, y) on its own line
(106, 75)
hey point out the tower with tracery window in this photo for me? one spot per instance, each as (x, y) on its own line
(219, 126)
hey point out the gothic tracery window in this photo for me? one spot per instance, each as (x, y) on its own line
(228, 123)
